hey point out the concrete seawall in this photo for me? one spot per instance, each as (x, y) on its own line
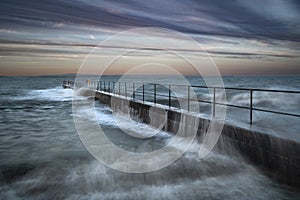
(277, 156)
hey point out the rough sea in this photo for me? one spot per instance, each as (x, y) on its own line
(42, 157)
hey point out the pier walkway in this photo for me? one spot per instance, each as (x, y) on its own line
(271, 152)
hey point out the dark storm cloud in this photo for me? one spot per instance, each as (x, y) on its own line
(226, 18)
(43, 13)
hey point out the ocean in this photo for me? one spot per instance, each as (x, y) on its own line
(42, 157)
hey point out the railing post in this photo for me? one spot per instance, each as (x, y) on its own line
(100, 85)
(143, 92)
(104, 86)
(214, 103)
(154, 91)
(109, 86)
(133, 93)
(251, 105)
(119, 88)
(170, 96)
(113, 89)
(125, 89)
(188, 105)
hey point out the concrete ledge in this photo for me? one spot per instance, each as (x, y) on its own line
(279, 156)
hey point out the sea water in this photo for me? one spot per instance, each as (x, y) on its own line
(42, 157)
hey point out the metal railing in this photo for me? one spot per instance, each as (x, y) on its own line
(139, 89)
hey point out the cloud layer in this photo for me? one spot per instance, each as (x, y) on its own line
(230, 29)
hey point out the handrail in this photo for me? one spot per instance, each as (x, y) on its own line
(139, 89)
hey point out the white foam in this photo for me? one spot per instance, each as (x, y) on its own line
(103, 115)
(52, 94)
(138, 129)
(267, 100)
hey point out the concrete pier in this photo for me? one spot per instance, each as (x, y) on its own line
(278, 157)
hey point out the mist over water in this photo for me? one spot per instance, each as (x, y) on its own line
(42, 157)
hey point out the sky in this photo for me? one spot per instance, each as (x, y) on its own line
(255, 37)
